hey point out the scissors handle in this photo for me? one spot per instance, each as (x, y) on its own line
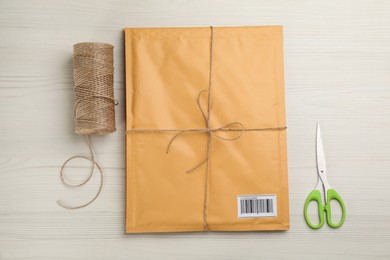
(315, 195)
(333, 195)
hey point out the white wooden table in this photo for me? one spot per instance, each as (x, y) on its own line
(337, 68)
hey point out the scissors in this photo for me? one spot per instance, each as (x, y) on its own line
(329, 193)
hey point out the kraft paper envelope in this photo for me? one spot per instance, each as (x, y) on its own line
(235, 132)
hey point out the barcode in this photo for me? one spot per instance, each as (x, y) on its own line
(255, 206)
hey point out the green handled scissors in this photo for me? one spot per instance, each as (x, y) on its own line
(329, 193)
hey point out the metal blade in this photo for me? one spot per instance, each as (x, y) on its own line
(321, 164)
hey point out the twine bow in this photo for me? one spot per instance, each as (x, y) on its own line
(211, 131)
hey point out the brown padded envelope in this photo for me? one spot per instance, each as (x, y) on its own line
(166, 68)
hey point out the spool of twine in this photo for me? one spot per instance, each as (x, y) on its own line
(94, 107)
(93, 71)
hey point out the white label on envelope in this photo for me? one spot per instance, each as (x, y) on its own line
(257, 206)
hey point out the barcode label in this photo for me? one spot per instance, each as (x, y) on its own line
(256, 206)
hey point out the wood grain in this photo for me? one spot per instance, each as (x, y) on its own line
(337, 70)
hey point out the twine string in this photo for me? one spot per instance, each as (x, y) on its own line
(94, 107)
(95, 165)
(211, 132)
(93, 69)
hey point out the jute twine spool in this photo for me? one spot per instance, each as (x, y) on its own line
(94, 107)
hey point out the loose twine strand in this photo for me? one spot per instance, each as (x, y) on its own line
(94, 107)
(211, 132)
(73, 185)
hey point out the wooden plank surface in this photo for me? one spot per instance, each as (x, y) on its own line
(337, 70)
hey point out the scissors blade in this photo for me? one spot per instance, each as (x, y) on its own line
(321, 164)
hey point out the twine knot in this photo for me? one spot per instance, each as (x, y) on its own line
(209, 130)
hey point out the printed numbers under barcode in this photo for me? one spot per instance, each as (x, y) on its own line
(255, 206)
